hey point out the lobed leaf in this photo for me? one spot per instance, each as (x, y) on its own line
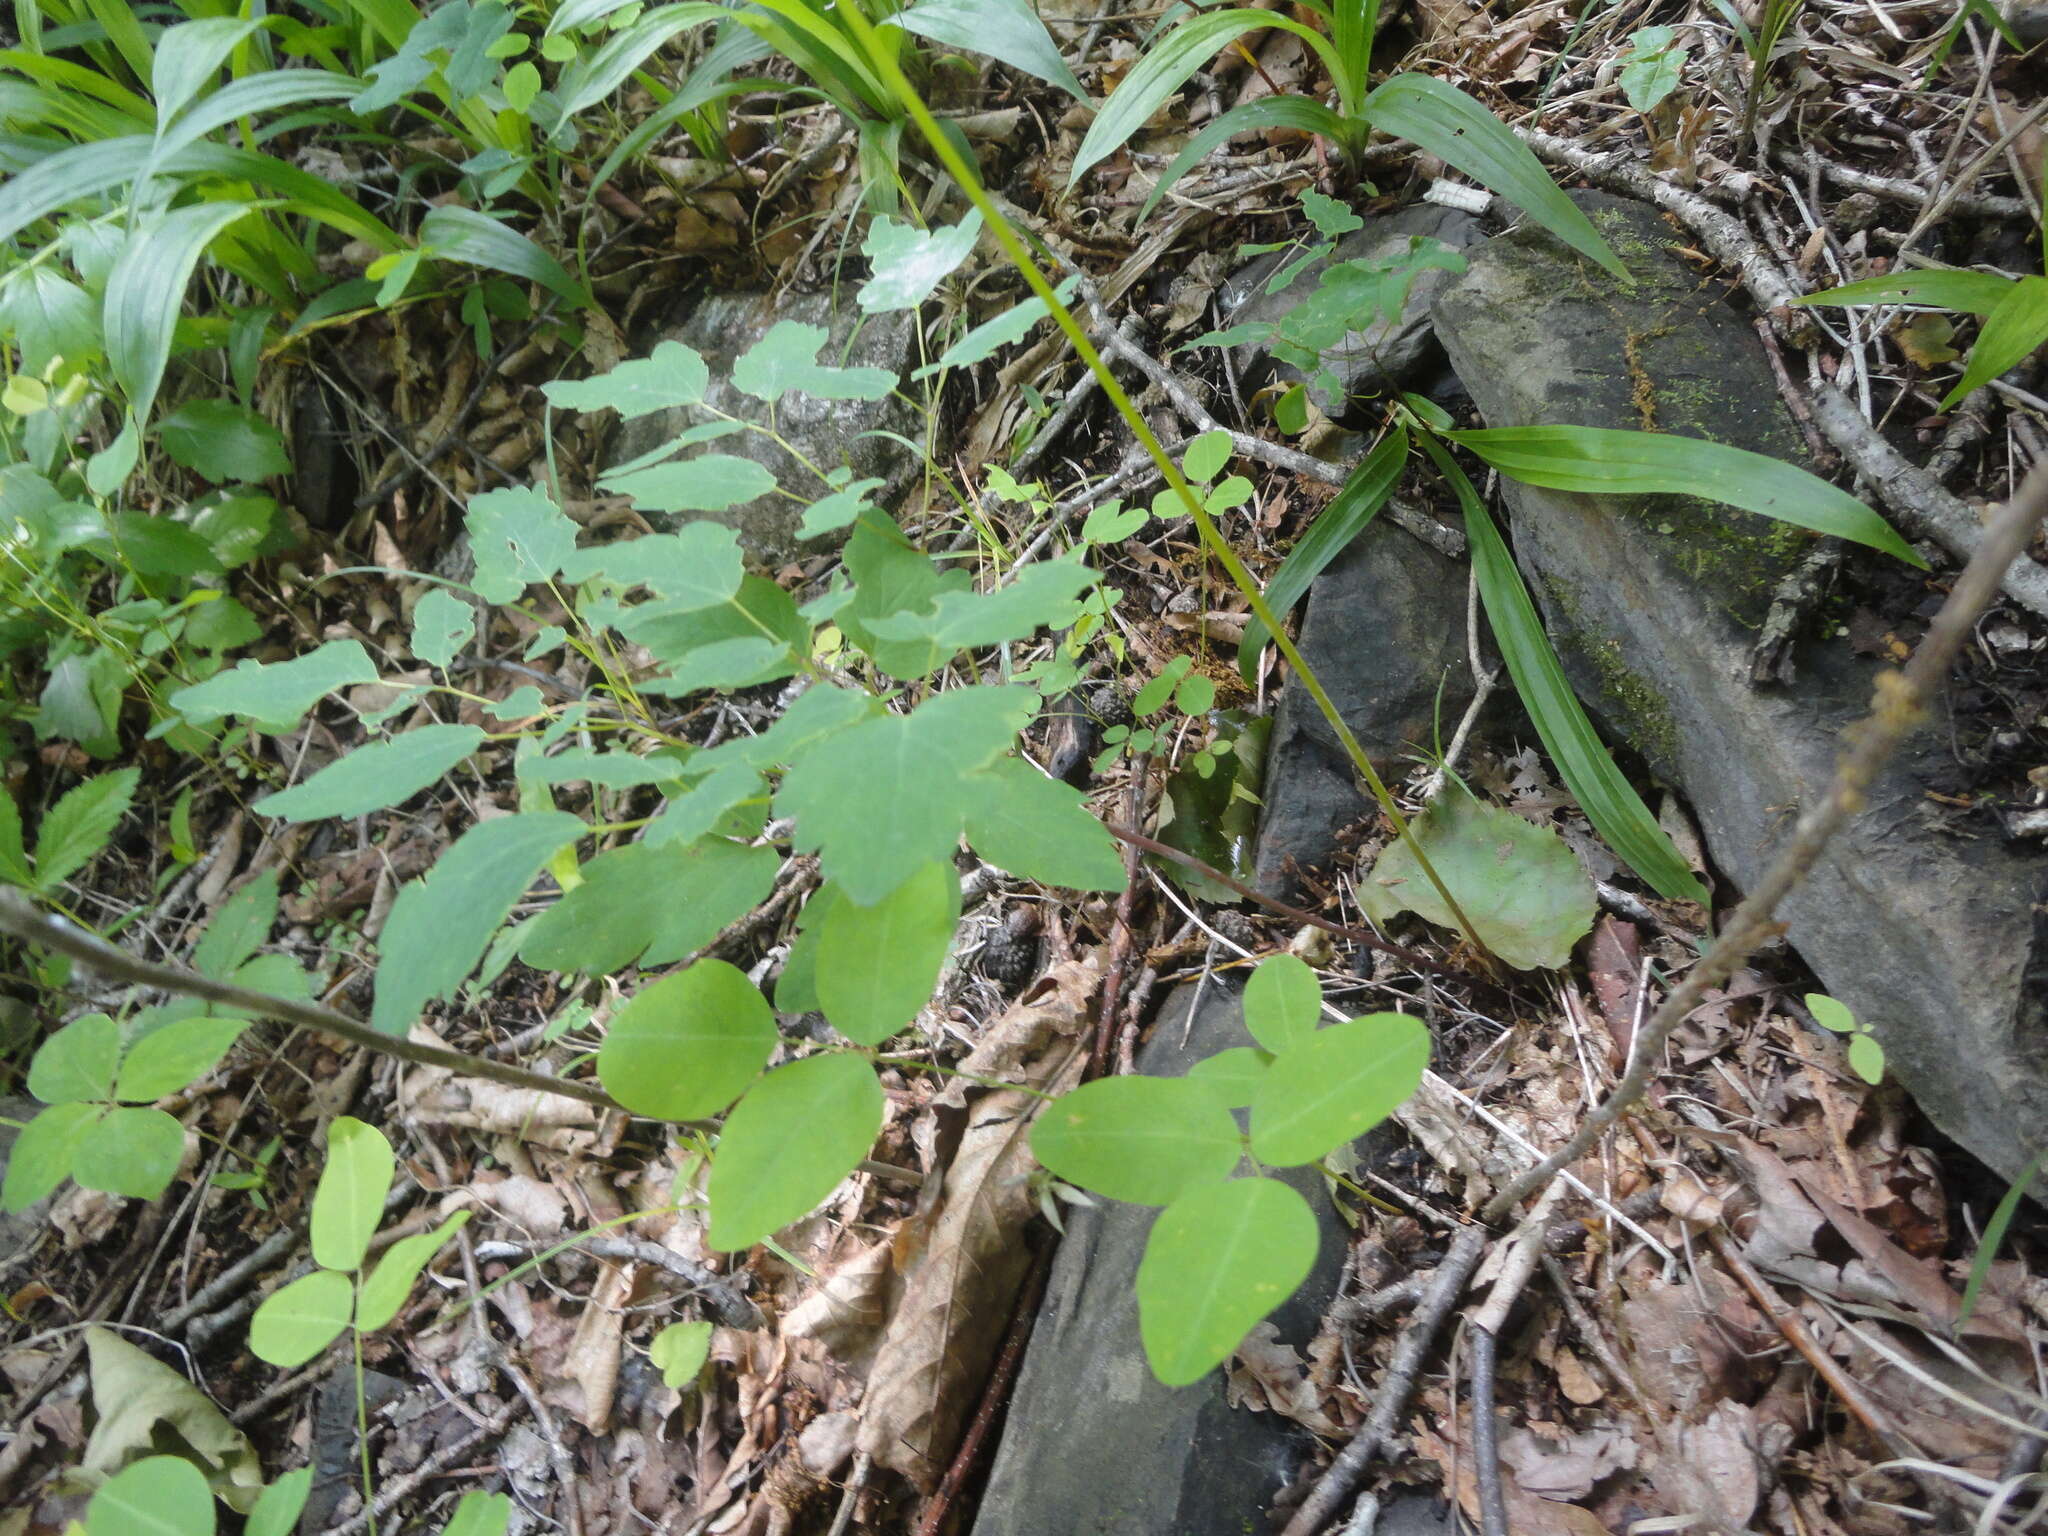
(785, 361)
(273, 696)
(906, 264)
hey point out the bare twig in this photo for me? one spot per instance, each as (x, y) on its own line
(1899, 707)
(1493, 1509)
(20, 919)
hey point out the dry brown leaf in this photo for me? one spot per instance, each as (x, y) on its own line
(436, 1096)
(592, 1359)
(1268, 1374)
(1711, 1468)
(959, 1294)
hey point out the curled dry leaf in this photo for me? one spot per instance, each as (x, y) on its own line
(1268, 1373)
(964, 1282)
(436, 1096)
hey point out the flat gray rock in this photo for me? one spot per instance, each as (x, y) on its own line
(828, 434)
(1386, 354)
(1094, 1446)
(1384, 631)
(1941, 944)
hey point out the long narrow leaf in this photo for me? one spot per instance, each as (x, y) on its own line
(187, 58)
(1994, 1235)
(146, 291)
(76, 77)
(1975, 293)
(1008, 30)
(1166, 66)
(1443, 120)
(255, 96)
(1610, 802)
(1267, 112)
(1602, 461)
(590, 80)
(1332, 532)
(2011, 333)
(463, 234)
(705, 84)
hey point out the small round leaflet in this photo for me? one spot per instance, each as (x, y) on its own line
(1143, 1139)
(1336, 1085)
(688, 1045)
(1217, 1261)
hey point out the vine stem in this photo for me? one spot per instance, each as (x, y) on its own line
(885, 65)
(20, 919)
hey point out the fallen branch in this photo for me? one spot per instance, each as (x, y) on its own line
(20, 919)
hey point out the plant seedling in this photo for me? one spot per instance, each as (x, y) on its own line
(1866, 1056)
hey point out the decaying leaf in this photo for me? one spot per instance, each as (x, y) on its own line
(964, 1282)
(138, 1397)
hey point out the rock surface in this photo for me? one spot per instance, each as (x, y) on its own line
(1094, 1446)
(827, 433)
(1385, 355)
(1940, 944)
(1384, 630)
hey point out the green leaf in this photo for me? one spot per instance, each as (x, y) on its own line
(480, 1514)
(157, 1496)
(679, 1352)
(886, 797)
(604, 770)
(1112, 523)
(442, 624)
(132, 1152)
(785, 362)
(796, 989)
(223, 441)
(79, 825)
(146, 291)
(688, 1045)
(2010, 334)
(1045, 593)
(174, 1057)
(877, 964)
(439, 926)
(1829, 1013)
(1335, 1086)
(669, 376)
(753, 637)
(274, 696)
(1148, 1140)
(1216, 1262)
(991, 336)
(277, 1510)
(705, 482)
(463, 234)
(1163, 68)
(593, 76)
(1438, 117)
(50, 317)
(1976, 293)
(1355, 505)
(1036, 827)
(187, 58)
(78, 1062)
(374, 777)
(1652, 68)
(1603, 461)
(41, 1156)
(1866, 1057)
(695, 567)
(1994, 1235)
(1520, 885)
(348, 1203)
(1233, 1074)
(843, 507)
(387, 1286)
(156, 546)
(237, 528)
(239, 928)
(1610, 802)
(299, 1320)
(1206, 456)
(1008, 30)
(520, 537)
(607, 922)
(788, 1143)
(906, 264)
(14, 865)
(1283, 1002)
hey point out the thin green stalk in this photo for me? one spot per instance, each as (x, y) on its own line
(1212, 538)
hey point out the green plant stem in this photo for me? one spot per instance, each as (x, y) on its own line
(20, 919)
(1212, 538)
